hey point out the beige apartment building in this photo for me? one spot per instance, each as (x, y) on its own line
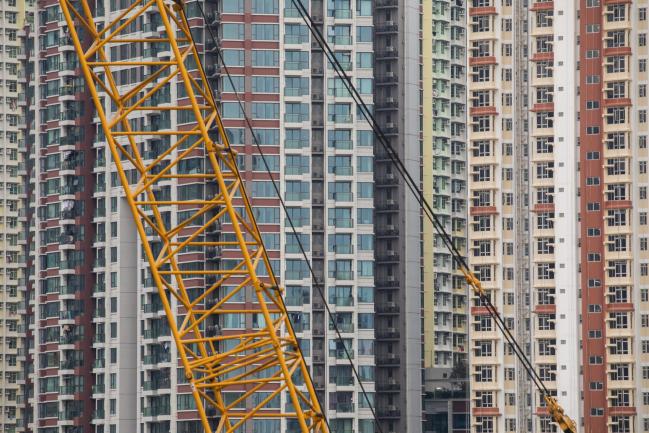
(557, 222)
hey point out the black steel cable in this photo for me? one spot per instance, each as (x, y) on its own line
(316, 283)
(416, 191)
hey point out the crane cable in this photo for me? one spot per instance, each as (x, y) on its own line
(317, 284)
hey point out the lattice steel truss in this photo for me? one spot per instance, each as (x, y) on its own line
(265, 355)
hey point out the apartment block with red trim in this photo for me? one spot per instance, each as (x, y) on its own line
(613, 181)
(559, 211)
(523, 233)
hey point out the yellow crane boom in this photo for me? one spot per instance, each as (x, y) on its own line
(265, 356)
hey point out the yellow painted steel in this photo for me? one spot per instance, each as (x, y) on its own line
(262, 360)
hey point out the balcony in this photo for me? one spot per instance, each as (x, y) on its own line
(155, 333)
(70, 389)
(388, 412)
(70, 339)
(340, 40)
(341, 380)
(70, 314)
(387, 54)
(71, 364)
(341, 353)
(385, 4)
(341, 275)
(387, 308)
(70, 264)
(69, 115)
(388, 333)
(387, 385)
(157, 358)
(342, 327)
(69, 415)
(345, 407)
(156, 411)
(153, 307)
(388, 359)
(154, 385)
(70, 140)
(342, 301)
(344, 14)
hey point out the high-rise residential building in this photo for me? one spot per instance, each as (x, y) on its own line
(13, 221)
(445, 187)
(613, 182)
(557, 154)
(67, 261)
(399, 281)
(523, 210)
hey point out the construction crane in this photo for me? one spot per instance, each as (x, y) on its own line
(265, 356)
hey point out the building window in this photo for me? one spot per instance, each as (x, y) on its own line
(481, 123)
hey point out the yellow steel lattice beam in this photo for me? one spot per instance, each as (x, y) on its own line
(264, 355)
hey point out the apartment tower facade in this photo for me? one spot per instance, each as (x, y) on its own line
(92, 287)
(523, 189)
(613, 182)
(584, 154)
(14, 19)
(444, 183)
(399, 280)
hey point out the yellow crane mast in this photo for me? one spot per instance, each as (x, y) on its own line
(263, 357)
